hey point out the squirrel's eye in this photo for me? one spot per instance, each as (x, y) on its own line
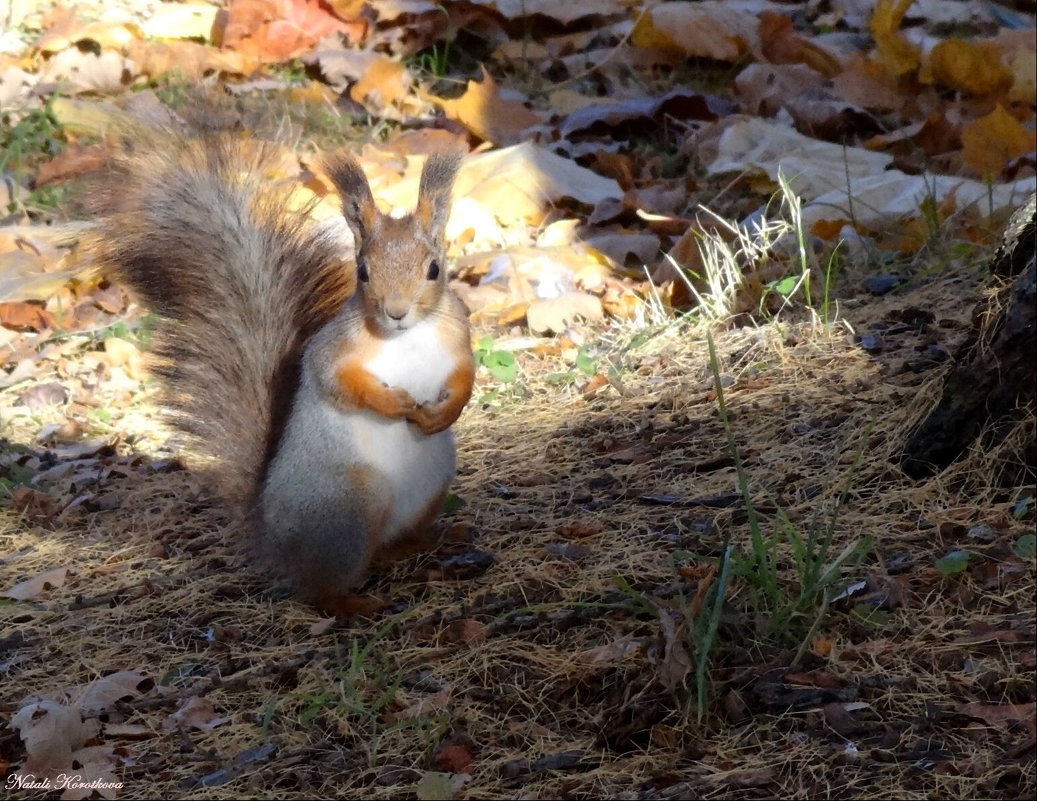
(433, 270)
(361, 270)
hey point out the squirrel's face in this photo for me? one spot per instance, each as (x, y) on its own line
(401, 274)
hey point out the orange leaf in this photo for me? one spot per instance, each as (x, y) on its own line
(454, 758)
(972, 68)
(277, 30)
(22, 316)
(384, 83)
(990, 142)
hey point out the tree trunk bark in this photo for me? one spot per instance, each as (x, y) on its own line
(998, 373)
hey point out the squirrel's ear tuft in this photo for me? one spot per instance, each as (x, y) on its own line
(437, 181)
(358, 205)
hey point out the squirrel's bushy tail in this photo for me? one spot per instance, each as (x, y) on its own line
(203, 232)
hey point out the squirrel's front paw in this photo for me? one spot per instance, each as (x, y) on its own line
(432, 418)
(401, 403)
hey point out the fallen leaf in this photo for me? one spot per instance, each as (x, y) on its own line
(50, 732)
(31, 589)
(37, 506)
(990, 142)
(679, 104)
(191, 20)
(897, 54)
(423, 706)
(812, 167)
(780, 44)
(465, 630)
(975, 68)
(487, 114)
(278, 30)
(322, 625)
(709, 29)
(766, 88)
(580, 529)
(454, 758)
(102, 694)
(676, 663)
(384, 86)
(196, 713)
(1000, 714)
(24, 316)
(555, 315)
(435, 786)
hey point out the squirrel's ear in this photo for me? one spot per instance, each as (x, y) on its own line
(358, 206)
(437, 181)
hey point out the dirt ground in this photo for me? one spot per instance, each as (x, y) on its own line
(538, 652)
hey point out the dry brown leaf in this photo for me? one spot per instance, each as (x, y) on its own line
(490, 117)
(565, 13)
(94, 772)
(866, 83)
(1000, 714)
(37, 506)
(681, 104)
(1023, 64)
(676, 663)
(51, 732)
(102, 694)
(465, 630)
(611, 653)
(322, 625)
(766, 88)
(780, 44)
(192, 60)
(519, 183)
(580, 529)
(423, 706)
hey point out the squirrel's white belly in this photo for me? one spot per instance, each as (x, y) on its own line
(416, 360)
(417, 468)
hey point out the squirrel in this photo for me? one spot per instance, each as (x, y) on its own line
(323, 394)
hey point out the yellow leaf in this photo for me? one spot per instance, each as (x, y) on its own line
(972, 68)
(182, 21)
(384, 84)
(707, 29)
(483, 111)
(990, 142)
(897, 54)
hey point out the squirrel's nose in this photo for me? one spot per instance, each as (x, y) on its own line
(396, 311)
